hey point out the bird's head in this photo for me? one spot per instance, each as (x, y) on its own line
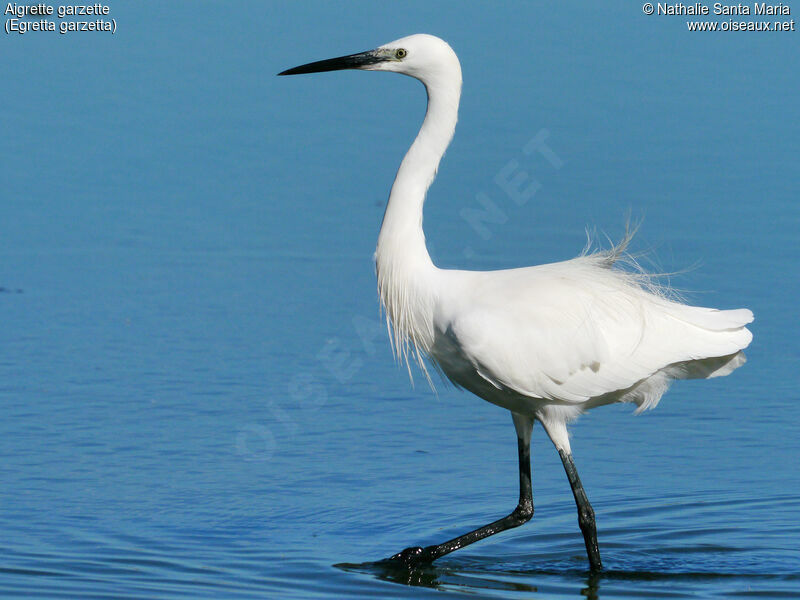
(423, 56)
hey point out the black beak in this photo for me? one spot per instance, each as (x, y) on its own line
(351, 61)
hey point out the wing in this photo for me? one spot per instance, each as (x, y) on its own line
(576, 330)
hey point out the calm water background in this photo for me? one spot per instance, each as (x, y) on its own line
(197, 397)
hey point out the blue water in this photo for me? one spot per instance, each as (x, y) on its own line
(197, 398)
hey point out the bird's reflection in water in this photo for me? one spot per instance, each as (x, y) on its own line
(592, 589)
(437, 577)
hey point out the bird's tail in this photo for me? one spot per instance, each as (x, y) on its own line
(720, 337)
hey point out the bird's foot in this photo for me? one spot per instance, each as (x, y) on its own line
(410, 558)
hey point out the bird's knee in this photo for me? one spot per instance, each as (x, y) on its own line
(524, 512)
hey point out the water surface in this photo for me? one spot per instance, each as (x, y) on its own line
(198, 398)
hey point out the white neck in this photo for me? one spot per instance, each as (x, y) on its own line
(404, 266)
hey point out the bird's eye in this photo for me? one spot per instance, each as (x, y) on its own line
(400, 53)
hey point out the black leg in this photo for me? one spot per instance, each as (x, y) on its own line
(585, 512)
(411, 557)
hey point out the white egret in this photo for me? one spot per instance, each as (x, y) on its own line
(546, 342)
